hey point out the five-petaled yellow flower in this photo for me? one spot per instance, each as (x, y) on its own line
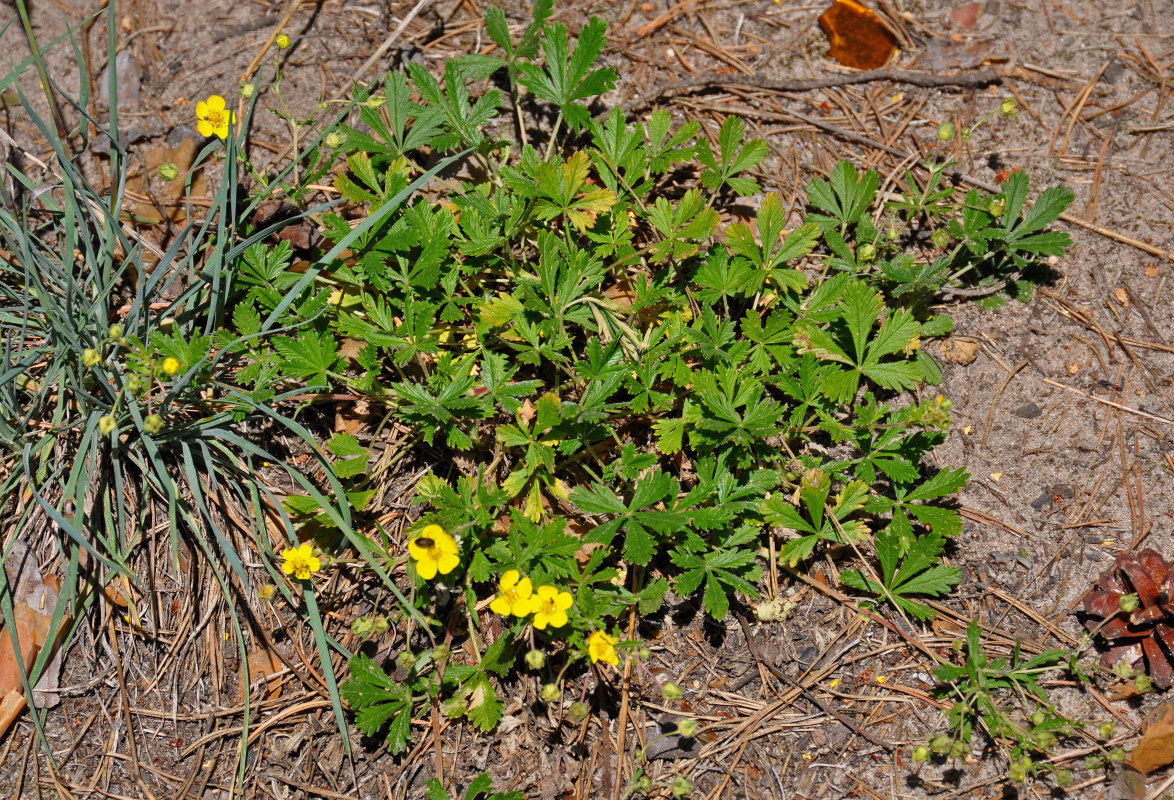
(300, 562)
(213, 117)
(601, 647)
(434, 551)
(516, 595)
(170, 365)
(550, 607)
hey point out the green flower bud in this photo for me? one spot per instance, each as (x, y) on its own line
(996, 207)
(106, 425)
(282, 41)
(247, 89)
(379, 624)
(134, 384)
(267, 592)
(91, 357)
(920, 754)
(959, 750)
(335, 140)
(441, 652)
(115, 331)
(1063, 778)
(1118, 754)
(535, 659)
(946, 131)
(1143, 684)
(670, 691)
(405, 660)
(1009, 107)
(687, 728)
(680, 786)
(362, 627)
(644, 653)
(1039, 717)
(167, 172)
(1093, 763)
(867, 252)
(578, 711)
(550, 692)
(1123, 670)
(940, 237)
(1043, 739)
(644, 784)
(893, 234)
(153, 424)
(941, 744)
(1107, 729)
(1016, 772)
(376, 101)
(1129, 603)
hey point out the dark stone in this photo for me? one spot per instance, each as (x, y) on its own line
(1029, 411)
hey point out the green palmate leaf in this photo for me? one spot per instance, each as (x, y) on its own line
(908, 570)
(312, 356)
(376, 700)
(732, 158)
(643, 524)
(561, 192)
(568, 76)
(461, 117)
(847, 197)
(767, 259)
(691, 219)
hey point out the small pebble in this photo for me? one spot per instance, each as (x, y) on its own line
(1029, 411)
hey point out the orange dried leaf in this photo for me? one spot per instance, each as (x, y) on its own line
(1156, 748)
(857, 36)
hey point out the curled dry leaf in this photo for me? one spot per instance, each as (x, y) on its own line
(1156, 748)
(1145, 634)
(960, 349)
(857, 36)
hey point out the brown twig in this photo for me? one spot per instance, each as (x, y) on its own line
(923, 79)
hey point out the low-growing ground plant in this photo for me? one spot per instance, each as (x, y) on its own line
(624, 392)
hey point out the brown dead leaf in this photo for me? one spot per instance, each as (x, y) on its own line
(857, 36)
(960, 349)
(1156, 748)
(33, 604)
(260, 665)
(1151, 270)
(1121, 296)
(527, 412)
(1128, 785)
(965, 17)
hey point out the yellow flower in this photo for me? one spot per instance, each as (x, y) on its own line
(213, 117)
(601, 647)
(550, 607)
(434, 551)
(282, 41)
(300, 562)
(516, 596)
(170, 365)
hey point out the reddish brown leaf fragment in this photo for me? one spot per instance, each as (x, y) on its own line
(857, 36)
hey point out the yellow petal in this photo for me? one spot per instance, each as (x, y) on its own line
(314, 564)
(201, 110)
(426, 568)
(205, 127)
(509, 579)
(563, 601)
(215, 102)
(448, 562)
(287, 567)
(500, 606)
